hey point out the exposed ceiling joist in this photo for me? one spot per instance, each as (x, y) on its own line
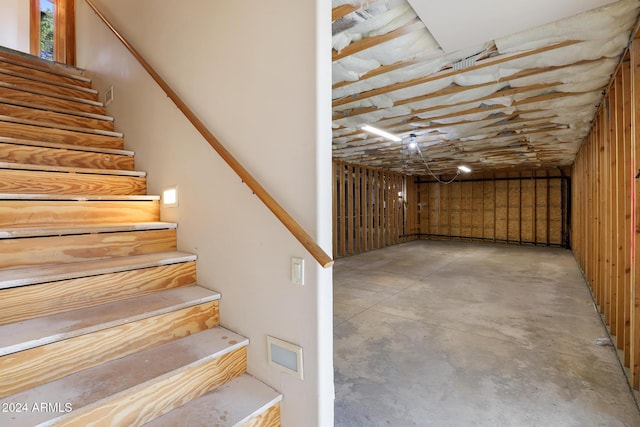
(543, 84)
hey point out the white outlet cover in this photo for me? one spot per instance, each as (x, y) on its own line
(297, 271)
(108, 96)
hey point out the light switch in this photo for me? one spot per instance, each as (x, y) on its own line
(297, 271)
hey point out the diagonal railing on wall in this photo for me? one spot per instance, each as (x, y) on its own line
(285, 218)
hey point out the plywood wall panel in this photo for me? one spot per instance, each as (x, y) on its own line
(477, 210)
(502, 210)
(505, 207)
(489, 210)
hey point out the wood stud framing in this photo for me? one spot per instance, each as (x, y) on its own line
(373, 207)
(605, 210)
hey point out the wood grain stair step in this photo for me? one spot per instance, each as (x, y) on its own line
(43, 299)
(42, 73)
(77, 197)
(48, 107)
(33, 251)
(70, 170)
(21, 121)
(37, 210)
(53, 116)
(17, 93)
(38, 63)
(21, 232)
(18, 84)
(14, 129)
(240, 401)
(32, 333)
(85, 181)
(38, 365)
(137, 388)
(30, 74)
(55, 272)
(44, 144)
(14, 150)
(62, 89)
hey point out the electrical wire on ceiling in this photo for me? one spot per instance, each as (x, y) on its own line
(426, 164)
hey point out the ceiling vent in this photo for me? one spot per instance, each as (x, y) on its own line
(464, 63)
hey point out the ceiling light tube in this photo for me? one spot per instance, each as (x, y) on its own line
(381, 133)
(464, 169)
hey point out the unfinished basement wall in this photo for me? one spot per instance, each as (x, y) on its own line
(372, 208)
(605, 210)
(529, 207)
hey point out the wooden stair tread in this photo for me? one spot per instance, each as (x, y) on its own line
(10, 119)
(231, 404)
(35, 143)
(86, 389)
(15, 337)
(50, 82)
(37, 63)
(39, 231)
(54, 272)
(51, 94)
(56, 109)
(76, 198)
(51, 114)
(45, 168)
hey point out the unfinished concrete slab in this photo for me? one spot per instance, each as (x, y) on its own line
(469, 334)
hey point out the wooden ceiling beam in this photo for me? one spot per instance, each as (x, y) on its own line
(369, 42)
(343, 10)
(458, 88)
(533, 99)
(378, 71)
(511, 117)
(499, 93)
(535, 128)
(450, 73)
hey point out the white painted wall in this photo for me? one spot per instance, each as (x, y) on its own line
(258, 74)
(14, 24)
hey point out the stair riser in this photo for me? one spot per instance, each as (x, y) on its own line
(136, 407)
(39, 365)
(37, 133)
(46, 87)
(27, 154)
(27, 213)
(27, 302)
(15, 253)
(269, 418)
(15, 66)
(41, 99)
(37, 63)
(53, 118)
(36, 182)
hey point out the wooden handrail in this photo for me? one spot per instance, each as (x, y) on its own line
(287, 220)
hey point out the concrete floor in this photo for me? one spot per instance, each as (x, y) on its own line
(471, 334)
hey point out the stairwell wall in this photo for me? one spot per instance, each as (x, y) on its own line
(14, 24)
(256, 73)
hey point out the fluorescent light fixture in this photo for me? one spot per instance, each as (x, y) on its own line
(464, 169)
(380, 132)
(170, 197)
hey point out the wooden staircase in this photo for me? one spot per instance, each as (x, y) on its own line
(101, 320)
